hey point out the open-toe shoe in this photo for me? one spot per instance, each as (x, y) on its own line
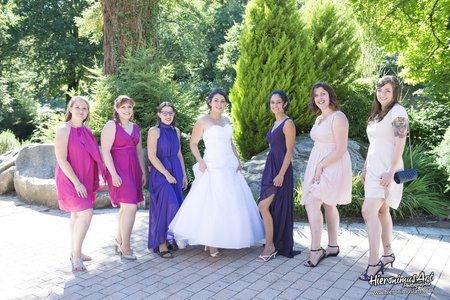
(310, 264)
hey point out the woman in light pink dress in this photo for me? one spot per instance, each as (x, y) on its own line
(79, 165)
(328, 175)
(386, 129)
(126, 174)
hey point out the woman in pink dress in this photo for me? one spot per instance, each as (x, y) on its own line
(78, 167)
(328, 175)
(126, 175)
(386, 129)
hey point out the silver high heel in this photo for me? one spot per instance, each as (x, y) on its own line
(266, 258)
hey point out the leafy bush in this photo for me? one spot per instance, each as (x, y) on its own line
(357, 107)
(442, 153)
(428, 121)
(275, 53)
(8, 141)
(47, 123)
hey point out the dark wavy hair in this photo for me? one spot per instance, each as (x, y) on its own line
(334, 103)
(215, 92)
(121, 100)
(283, 97)
(378, 113)
(159, 109)
(68, 114)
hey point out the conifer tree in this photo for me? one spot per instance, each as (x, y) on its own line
(275, 53)
(337, 47)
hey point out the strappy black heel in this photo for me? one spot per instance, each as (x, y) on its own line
(334, 254)
(366, 277)
(389, 262)
(309, 263)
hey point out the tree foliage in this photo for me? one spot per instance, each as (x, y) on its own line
(47, 39)
(275, 53)
(419, 31)
(336, 43)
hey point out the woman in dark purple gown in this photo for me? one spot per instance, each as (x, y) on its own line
(276, 202)
(167, 179)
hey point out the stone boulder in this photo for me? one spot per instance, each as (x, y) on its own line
(34, 179)
(7, 170)
(253, 169)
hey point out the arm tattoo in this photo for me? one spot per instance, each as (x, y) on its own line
(400, 125)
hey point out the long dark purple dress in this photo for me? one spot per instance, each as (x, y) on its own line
(282, 206)
(165, 198)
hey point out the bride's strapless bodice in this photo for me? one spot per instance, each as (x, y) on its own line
(218, 150)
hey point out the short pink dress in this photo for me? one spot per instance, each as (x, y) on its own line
(379, 158)
(84, 157)
(126, 162)
(335, 185)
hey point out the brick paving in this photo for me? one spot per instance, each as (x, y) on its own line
(34, 264)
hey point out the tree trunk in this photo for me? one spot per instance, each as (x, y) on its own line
(128, 25)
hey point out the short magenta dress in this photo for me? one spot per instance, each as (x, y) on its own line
(84, 157)
(126, 162)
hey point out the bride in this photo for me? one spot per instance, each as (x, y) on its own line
(219, 211)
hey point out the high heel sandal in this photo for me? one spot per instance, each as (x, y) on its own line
(77, 264)
(266, 258)
(117, 247)
(366, 277)
(119, 250)
(309, 263)
(389, 262)
(333, 254)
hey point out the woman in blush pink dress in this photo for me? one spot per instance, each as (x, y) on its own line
(328, 175)
(126, 175)
(78, 167)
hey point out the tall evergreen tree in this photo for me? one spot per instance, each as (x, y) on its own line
(275, 53)
(337, 47)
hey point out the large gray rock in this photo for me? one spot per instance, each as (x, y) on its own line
(253, 169)
(7, 180)
(34, 180)
(8, 159)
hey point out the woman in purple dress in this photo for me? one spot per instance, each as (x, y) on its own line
(124, 160)
(276, 202)
(167, 179)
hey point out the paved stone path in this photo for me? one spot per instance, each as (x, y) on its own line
(34, 264)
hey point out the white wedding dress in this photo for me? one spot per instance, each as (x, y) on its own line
(219, 210)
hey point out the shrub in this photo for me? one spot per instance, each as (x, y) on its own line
(8, 141)
(336, 43)
(275, 53)
(428, 121)
(442, 153)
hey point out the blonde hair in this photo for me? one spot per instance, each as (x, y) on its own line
(68, 114)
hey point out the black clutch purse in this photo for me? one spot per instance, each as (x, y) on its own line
(405, 176)
(408, 174)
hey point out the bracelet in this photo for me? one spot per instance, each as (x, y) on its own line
(78, 185)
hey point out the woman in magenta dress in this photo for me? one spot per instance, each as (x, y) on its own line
(328, 175)
(78, 167)
(276, 202)
(124, 160)
(167, 179)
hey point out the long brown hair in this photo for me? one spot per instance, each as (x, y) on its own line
(121, 100)
(68, 114)
(378, 113)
